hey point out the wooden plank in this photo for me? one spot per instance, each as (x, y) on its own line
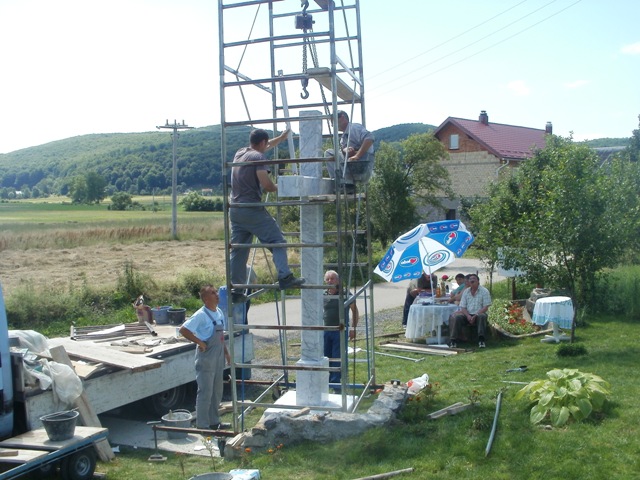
(84, 370)
(323, 76)
(22, 456)
(82, 403)
(418, 349)
(106, 355)
(38, 439)
(444, 411)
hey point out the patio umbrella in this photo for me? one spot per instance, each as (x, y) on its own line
(427, 247)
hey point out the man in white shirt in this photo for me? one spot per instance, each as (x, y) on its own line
(474, 304)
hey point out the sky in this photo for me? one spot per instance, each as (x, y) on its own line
(76, 67)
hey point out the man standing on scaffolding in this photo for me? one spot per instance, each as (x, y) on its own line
(247, 184)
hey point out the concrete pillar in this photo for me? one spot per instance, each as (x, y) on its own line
(312, 387)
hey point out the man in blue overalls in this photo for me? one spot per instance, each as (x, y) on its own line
(205, 328)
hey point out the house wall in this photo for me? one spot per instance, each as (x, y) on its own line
(471, 168)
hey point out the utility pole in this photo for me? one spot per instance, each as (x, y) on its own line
(175, 126)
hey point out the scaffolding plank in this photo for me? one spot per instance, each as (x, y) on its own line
(323, 76)
(106, 355)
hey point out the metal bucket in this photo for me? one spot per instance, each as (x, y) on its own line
(179, 419)
(60, 425)
(176, 315)
(159, 315)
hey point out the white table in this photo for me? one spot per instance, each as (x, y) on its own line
(555, 310)
(424, 319)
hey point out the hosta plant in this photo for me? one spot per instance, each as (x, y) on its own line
(565, 395)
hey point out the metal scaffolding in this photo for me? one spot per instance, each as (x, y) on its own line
(269, 53)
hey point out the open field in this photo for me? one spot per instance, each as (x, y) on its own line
(56, 243)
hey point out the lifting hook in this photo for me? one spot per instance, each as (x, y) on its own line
(305, 83)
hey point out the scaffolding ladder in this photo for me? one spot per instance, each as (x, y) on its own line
(264, 52)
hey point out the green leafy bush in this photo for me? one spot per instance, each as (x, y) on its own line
(567, 394)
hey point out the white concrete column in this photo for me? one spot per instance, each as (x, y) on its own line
(312, 387)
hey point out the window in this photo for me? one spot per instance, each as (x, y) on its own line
(454, 142)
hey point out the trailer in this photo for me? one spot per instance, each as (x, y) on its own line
(33, 452)
(117, 365)
(157, 369)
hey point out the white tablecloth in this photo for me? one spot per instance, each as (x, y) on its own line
(557, 310)
(424, 319)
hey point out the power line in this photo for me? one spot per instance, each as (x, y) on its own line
(446, 41)
(476, 53)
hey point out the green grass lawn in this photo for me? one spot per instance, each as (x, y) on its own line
(453, 447)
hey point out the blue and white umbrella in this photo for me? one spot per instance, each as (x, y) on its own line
(427, 247)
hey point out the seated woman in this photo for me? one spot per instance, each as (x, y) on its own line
(456, 295)
(417, 286)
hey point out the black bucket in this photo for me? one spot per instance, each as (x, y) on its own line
(176, 315)
(60, 425)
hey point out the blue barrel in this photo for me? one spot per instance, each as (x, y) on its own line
(239, 310)
(160, 314)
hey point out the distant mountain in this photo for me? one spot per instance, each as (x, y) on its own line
(142, 162)
(398, 133)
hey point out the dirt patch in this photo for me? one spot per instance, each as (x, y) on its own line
(100, 265)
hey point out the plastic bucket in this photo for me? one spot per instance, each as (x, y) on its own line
(179, 419)
(213, 476)
(60, 425)
(159, 315)
(176, 315)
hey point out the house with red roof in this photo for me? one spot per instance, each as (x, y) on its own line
(481, 151)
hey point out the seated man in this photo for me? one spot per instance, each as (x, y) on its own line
(416, 286)
(356, 143)
(473, 311)
(456, 295)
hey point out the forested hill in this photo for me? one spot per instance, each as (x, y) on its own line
(137, 162)
(141, 162)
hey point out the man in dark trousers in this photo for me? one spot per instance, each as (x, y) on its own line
(247, 184)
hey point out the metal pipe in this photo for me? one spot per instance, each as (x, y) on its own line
(495, 425)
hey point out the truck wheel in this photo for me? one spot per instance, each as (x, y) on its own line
(79, 465)
(162, 402)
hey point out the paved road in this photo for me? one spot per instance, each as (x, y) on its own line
(385, 296)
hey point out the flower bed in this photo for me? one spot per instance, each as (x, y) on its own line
(510, 319)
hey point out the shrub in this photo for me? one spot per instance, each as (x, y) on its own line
(571, 350)
(567, 394)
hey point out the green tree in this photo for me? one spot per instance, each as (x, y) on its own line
(392, 207)
(423, 158)
(95, 187)
(194, 202)
(633, 149)
(561, 217)
(121, 201)
(78, 189)
(406, 176)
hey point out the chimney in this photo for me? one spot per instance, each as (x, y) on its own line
(484, 118)
(548, 129)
